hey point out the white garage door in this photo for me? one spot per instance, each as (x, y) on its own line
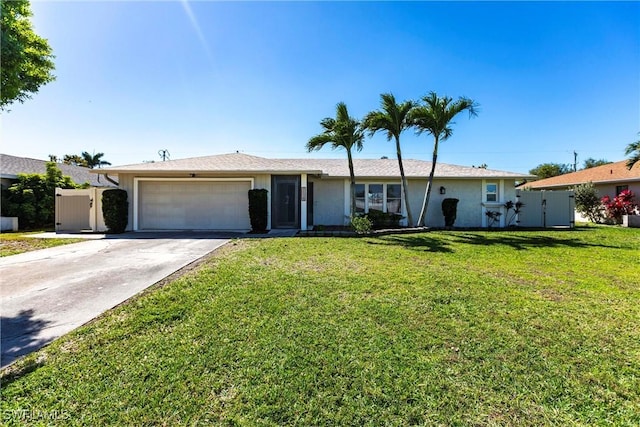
(193, 205)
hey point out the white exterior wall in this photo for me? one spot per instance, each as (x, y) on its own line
(328, 202)
(126, 182)
(610, 189)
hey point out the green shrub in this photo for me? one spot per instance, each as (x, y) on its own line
(361, 224)
(258, 209)
(381, 219)
(115, 210)
(32, 197)
(449, 210)
(588, 202)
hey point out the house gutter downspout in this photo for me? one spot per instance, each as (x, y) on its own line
(111, 180)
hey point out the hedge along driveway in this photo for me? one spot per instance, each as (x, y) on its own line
(50, 292)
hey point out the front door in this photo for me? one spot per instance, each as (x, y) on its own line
(285, 201)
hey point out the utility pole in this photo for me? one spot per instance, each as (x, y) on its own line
(164, 154)
(575, 161)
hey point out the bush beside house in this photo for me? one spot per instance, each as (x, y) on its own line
(115, 210)
(258, 209)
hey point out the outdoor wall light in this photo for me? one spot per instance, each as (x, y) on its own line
(443, 190)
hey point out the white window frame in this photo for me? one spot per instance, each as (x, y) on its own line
(487, 193)
(384, 195)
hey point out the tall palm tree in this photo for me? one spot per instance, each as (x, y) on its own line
(632, 150)
(342, 132)
(434, 117)
(93, 160)
(393, 119)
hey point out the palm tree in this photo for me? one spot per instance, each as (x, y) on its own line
(342, 132)
(632, 150)
(434, 117)
(393, 118)
(94, 160)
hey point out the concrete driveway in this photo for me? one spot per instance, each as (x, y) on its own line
(49, 292)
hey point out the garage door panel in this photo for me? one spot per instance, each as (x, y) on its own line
(208, 205)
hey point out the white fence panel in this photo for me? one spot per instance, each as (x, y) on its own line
(546, 208)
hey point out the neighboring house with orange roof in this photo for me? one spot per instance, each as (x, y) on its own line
(609, 179)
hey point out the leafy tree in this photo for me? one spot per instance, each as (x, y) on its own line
(393, 119)
(588, 202)
(633, 151)
(27, 59)
(342, 132)
(592, 163)
(548, 170)
(435, 117)
(74, 159)
(93, 160)
(32, 198)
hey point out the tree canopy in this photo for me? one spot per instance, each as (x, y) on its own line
(27, 59)
(592, 163)
(548, 170)
(393, 118)
(342, 132)
(633, 151)
(435, 116)
(94, 160)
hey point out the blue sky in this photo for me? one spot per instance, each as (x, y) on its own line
(205, 77)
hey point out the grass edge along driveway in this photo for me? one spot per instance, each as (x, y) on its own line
(449, 328)
(13, 243)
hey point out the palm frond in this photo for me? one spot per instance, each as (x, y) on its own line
(632, 150)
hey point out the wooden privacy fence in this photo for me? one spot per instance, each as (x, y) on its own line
(79, 210)
(546, 208)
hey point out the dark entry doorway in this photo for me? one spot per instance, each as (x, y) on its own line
(285, 201)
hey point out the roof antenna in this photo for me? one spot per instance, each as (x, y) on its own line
(164, 154)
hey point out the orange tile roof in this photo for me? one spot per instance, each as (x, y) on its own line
(610, 173)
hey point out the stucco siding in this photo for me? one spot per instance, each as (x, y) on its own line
(610, 189)
(125, 182)
(328, 202)
(468, 192)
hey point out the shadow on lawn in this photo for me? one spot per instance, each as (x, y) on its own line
(440, 243)
(18, 336)
(419, 242)
(524, 242)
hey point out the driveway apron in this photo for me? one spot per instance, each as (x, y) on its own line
(50, 292)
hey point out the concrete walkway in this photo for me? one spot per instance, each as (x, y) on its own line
(49, 292)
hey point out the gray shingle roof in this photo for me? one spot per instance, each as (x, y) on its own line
(379, 168)
(11, 166)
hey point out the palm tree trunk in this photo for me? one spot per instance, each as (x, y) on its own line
(405, 187)
(427, 193)
(353, 185)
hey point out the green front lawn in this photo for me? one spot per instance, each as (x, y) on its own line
(12, 243)
(441, 328)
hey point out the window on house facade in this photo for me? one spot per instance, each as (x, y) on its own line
(621, 188)
(492, 192)
(394, 198)
(360, 199)
(382, 197)
(375, 197)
